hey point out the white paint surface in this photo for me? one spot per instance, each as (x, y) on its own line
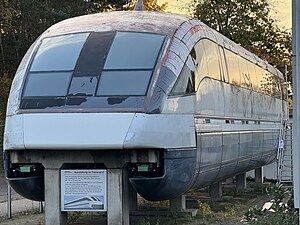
(76, 130)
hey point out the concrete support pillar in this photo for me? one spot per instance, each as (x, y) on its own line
(215, 191)
(53, 214)
(178, 204)
(229, 180)
(259, 178)
(241, 181)
(117, 198)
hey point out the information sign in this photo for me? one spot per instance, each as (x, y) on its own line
(83, 190)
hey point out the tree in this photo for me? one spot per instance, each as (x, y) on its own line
(151, 5)
(248, 22)
(5, 83)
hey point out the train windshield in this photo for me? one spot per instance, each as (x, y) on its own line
(77, 70)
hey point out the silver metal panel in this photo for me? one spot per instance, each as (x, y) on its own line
(179, 48)
(161, 131)
(211, 151)
(238, 151)
(230, 147)
(243, 103)
(174, 62)
(245, 144)
(257, 142)
(180, 105)
(237, 101)
(210, 98)
(14, 133)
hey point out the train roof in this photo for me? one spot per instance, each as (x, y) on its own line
(142, 21)
(174, 26)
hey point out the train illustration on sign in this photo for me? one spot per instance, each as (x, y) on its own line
(84, 203)
(180, 105)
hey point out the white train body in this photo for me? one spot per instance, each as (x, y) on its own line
(198, 107)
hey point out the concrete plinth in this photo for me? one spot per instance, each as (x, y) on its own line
(53, 214)
(259, 178)
(215, 191)
(117, 199)
(178, 204)
(241, 181)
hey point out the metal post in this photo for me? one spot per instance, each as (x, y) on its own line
(8, 208)
(296, 100)
(41, 207)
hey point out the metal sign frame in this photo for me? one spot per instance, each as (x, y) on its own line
(84, 190)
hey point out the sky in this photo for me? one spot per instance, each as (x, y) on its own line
(281, 12)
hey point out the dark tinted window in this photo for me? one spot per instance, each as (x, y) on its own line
(134, 51)
(58, 53)
(129, 64)
(47, 84)
(124, 83)
(76, 70)
(185, 83)
(83, 86)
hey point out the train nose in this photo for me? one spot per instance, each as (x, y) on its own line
(74, 130)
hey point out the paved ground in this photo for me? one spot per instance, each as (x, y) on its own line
(19, 204)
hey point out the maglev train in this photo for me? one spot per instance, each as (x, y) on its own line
(186, 105)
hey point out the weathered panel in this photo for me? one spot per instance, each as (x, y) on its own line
(210, 98)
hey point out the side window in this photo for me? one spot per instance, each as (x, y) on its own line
(259, 76)
(285, 88)
(245, 76)
(185, 83)
(276, 87)
(253, 76)
(213, 64)
(223, 65)
(266, 82)
(201, 62)
(233, 68)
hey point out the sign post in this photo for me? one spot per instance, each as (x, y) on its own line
(296, 100)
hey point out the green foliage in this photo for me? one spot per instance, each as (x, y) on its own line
(231, 210)
(205, 209)
(73, 217)
(147, 221)
(5, 83)
(248, 22)
(281, 212)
